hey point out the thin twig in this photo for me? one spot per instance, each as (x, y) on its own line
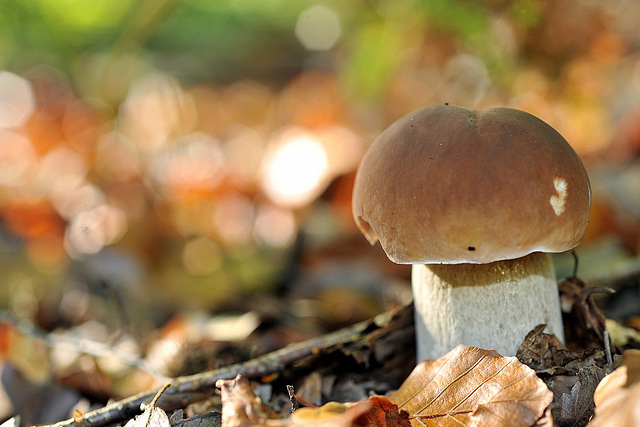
(575, 263)
(607, 350)
(292, 398)
(164, 388)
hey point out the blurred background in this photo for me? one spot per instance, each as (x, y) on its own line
(176, 155)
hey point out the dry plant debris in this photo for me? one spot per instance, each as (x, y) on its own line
(471, 386)
(584, 322)
(378, 411)
(618, 394)
(242, 408)
(240, 405)
(571, 375)
(468, 386)
(152, 415)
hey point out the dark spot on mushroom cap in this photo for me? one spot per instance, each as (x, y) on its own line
(472, 248)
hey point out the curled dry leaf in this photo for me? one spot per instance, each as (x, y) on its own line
(584, 322)
(618, 394)
(543, 352)
(471, 386)
(240, 405)
(546, 355)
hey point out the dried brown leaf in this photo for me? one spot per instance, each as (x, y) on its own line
(240, 405)
(543, 352)
(311, 389)
(584, 322)
(546, 355)
(151, 417)
(471, 386)
(384, 413)
(618, 394)
(572, 376)
(573, 395)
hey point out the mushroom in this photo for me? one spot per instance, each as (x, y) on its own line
(475, 200)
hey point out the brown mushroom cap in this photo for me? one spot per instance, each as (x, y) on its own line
(446, 184)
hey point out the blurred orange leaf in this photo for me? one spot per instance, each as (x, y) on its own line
(618, 394)
(472, 386)
(32, 217)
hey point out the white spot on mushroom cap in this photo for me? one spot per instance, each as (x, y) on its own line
(558, 200)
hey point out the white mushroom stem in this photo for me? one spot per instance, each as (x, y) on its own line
(491, 306)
